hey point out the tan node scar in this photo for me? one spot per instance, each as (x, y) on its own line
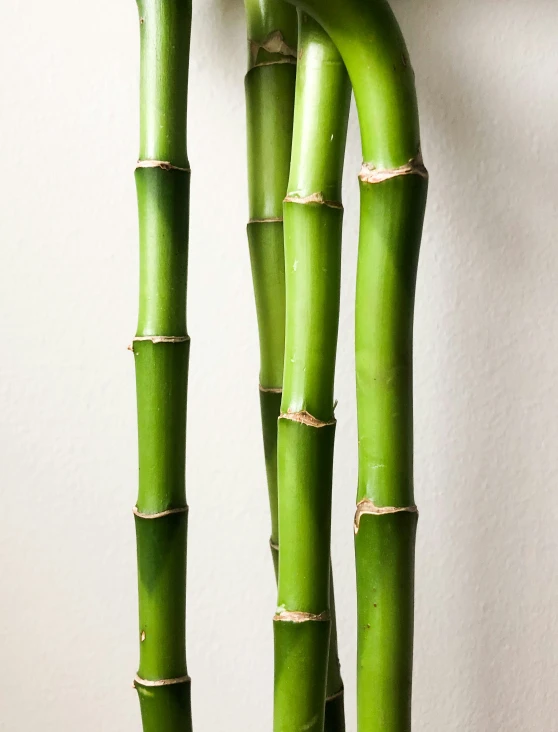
(336, 695)
(277, 220)
(271, 389)
(161, 514)
(161, 682)
(163, 164)
(370, 174)
(158, 339)
(296, 616)
(305, 418)
(368, 507)
(316, 198)
(273, 43)
(274, 63)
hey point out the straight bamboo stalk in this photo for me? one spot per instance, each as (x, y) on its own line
(313, 220)
(270, 90)
(161, 350)
(393, 183)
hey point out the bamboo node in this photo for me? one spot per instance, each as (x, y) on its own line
(370, 174)
(316, 198)
(368, 507)
(306, 418)
(297, 616)
(276, 220)
(138, 681)
(271, 389)
(163, 164)
(160, 339)
(275, 547)
(161, 514)
(274, 63)
(336, 695)
(272, 43)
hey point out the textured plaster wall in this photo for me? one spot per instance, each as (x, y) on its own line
(485, 368)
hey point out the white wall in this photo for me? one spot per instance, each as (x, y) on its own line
(486, 386)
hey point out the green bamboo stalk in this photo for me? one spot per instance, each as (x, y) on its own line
(393, 184)
(270, 90)
(313, 222)
(161, 349)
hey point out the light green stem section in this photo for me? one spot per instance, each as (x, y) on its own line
(313, 220)
(161, 352)
(392, 209)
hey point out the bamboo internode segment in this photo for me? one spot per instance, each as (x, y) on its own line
(161, 682)
(371, 174)
(306, 418)
(368, 507)
(296, 616)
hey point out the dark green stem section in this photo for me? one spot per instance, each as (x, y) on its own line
(313, 221)
(161, 350)
(393, 197)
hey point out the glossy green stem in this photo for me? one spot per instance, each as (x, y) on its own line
(393, 196)
(270, 89)
(391, 223)
(161, 351)
(313, 221)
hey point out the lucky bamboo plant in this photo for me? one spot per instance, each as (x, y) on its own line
(297, 124)
(161, 350)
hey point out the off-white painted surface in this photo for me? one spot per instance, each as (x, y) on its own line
(486, 375)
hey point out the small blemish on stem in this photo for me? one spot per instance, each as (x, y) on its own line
(142, 636)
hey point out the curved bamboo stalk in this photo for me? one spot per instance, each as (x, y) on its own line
(313, 220)
(393, 184)
(161, 350)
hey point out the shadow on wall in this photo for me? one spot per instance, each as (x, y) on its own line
(484, 366)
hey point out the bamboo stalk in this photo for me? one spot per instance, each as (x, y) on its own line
(161, 349)
(313, 220)
(270, 89)
(393, 184)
